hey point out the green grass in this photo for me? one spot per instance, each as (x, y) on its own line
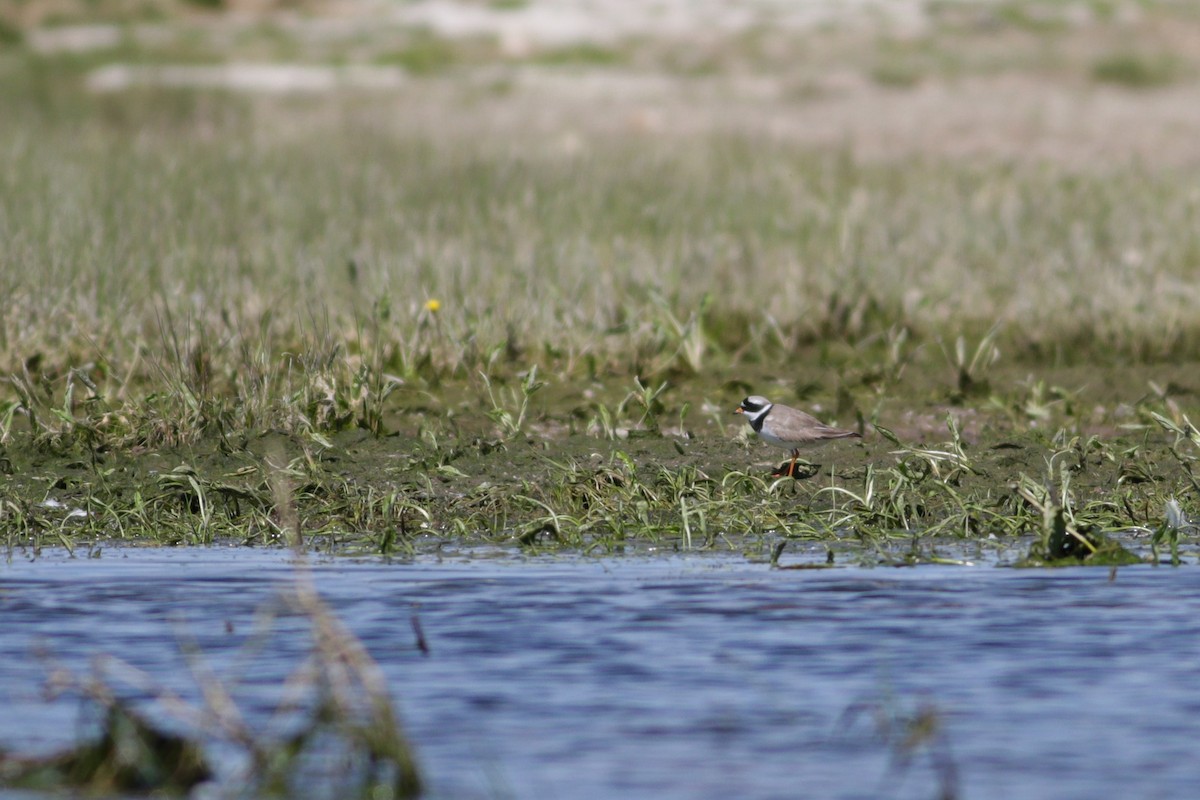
(580, 54)
(424, 53)
(1066, 493)
(1138, 70)
(254, 242)
(187, 275)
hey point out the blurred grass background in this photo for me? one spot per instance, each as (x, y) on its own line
(686, 200)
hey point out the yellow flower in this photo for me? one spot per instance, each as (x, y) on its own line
(432, 305)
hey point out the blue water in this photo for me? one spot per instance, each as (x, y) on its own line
(698, 676)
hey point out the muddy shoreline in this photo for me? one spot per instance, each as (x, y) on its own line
(683, 478)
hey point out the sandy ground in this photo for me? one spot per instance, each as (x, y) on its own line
(530, 22)
(1006, 117)
(1017, 114)
(542, 22)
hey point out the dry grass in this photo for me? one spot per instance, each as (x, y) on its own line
(201, 243)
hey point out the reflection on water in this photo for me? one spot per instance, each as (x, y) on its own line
(692, 677)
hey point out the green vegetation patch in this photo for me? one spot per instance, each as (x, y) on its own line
(1138, 70)
(501, 475)
(425, 52)
(131, 755)
(586, 54)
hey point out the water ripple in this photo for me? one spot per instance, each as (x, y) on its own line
(689, 677)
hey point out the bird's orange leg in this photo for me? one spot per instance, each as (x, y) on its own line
(791, 472)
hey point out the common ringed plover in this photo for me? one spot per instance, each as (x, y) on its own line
(787, 427)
